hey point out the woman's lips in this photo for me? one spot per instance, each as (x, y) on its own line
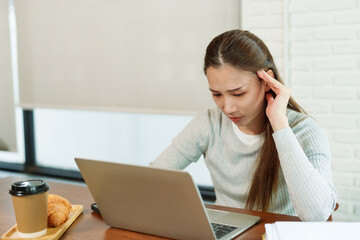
(235, 119)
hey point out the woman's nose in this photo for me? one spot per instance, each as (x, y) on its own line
(229, 106)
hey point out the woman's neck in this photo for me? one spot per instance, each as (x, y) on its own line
(256, 127)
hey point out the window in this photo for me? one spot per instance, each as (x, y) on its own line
(62, 135)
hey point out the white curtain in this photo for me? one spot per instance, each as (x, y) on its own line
(134, 55)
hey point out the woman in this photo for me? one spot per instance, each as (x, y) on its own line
(261, 149)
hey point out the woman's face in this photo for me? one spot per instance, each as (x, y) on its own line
(240, 95)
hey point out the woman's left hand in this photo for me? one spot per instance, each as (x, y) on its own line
(276, 108)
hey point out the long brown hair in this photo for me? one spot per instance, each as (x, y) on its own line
(245, 51)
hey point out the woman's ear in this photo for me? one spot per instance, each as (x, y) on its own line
(267, 88)
(271, 73)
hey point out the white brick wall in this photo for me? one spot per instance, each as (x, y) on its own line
(323, 46)
(265, 18)
(332, 49)
(347, 79)
(309, 20)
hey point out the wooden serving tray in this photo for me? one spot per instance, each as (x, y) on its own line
(52, 233)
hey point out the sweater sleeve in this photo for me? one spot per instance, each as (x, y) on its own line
(188, 146)
(305, 162)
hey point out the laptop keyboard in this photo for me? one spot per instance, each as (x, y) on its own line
(222, 230)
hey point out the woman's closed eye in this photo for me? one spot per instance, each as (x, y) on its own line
(238, 94)
(235, 94)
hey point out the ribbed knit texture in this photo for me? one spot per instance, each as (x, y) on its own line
(305, 185)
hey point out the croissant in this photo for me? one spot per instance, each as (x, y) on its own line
(58, 210)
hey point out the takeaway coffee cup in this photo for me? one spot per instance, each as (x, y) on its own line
(30, 205)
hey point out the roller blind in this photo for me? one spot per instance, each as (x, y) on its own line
(118, 55)
(7, 105)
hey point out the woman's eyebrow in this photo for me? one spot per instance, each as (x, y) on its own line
(231, 90)
(213, 90)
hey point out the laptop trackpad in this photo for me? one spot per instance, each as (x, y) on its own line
(230, 218)
(215, 215)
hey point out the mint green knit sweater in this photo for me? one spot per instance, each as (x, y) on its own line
(305, 185)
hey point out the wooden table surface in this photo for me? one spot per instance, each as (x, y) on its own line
(89, 225)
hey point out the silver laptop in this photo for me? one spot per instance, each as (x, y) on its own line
(156, 201)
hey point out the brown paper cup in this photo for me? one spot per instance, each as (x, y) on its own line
(30, 205)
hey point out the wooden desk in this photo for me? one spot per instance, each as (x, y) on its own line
(90, 225)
